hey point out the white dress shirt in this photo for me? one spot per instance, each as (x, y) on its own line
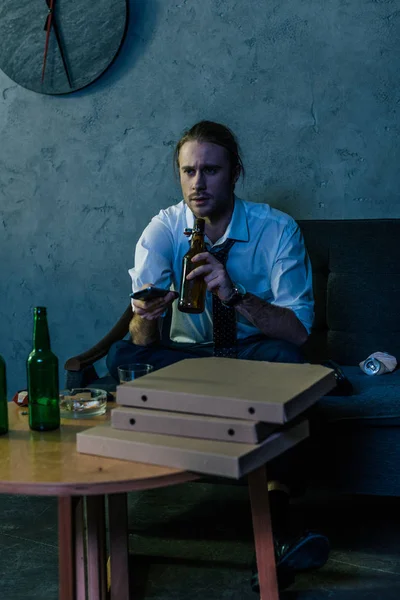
(268, 258)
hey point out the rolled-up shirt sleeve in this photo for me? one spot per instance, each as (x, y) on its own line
(153, 256)
(291, 277)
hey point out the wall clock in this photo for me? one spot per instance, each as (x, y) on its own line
(60, 46)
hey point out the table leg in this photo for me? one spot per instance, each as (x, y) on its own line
(66, 547)
(263, 537)
(80, 551)
(96, 547)
(119, 546)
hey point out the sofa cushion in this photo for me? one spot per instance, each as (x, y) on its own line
(356, 278)
(375, 402)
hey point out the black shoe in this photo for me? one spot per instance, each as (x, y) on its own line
(309, 551)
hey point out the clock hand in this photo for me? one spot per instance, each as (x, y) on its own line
(48, 29)
(58, 38)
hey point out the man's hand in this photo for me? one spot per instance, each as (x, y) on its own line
(215, 275)
(152, 309)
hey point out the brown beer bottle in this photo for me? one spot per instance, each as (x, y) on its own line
(193, 291)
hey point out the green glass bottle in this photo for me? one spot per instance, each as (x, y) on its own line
(42, 372)
(3, 398)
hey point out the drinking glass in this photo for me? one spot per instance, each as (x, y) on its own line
(133, 371)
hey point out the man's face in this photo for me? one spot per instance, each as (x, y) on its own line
(206, 178)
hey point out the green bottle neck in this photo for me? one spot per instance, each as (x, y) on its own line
(41, 337)
(3, 381)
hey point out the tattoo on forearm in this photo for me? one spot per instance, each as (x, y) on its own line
(274, 321)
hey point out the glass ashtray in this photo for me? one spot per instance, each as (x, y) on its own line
(81, 403)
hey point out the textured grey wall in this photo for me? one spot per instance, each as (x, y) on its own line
(310, 88)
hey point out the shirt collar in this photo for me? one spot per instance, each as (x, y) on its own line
(238, 227)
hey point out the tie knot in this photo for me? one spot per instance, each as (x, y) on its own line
(221, 252)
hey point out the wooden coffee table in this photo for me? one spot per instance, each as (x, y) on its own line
(47, 464)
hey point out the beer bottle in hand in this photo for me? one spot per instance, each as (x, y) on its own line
(42, 371)
(193, 291)
(3, 398)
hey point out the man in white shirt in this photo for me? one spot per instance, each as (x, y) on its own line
(268, 269)
(266, 281)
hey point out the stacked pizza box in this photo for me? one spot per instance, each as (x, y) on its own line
(215, 416)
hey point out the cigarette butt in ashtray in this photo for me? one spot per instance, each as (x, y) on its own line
(379, 363)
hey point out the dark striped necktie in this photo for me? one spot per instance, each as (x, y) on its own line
(224, 317)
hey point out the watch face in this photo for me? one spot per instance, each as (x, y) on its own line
(241, 290)
(61, 50)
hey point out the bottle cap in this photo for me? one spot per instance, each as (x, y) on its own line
(40, 310)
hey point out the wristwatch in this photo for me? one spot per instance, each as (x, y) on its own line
(237, 295)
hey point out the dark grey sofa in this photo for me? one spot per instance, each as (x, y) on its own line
(355, 441)
(356, 271)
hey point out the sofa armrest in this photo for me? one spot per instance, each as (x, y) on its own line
(99, 350)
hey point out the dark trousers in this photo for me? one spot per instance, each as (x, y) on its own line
(285, 467)
(159, 355)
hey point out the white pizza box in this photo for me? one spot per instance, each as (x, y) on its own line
(197, 426)
(225, 387)
(225, 459)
